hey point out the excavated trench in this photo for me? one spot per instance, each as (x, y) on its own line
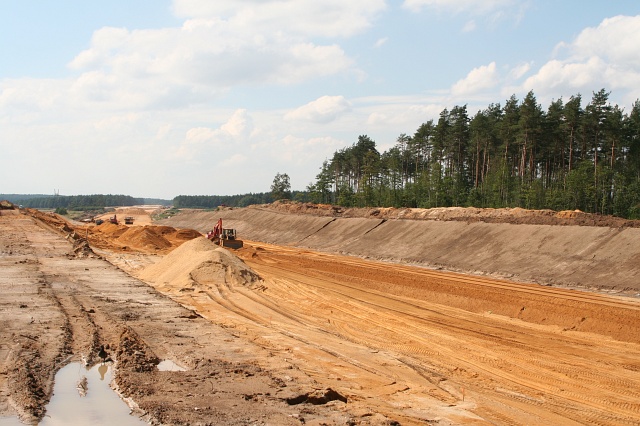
(287, 331)
(566, 249)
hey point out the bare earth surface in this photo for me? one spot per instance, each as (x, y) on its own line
(569, 249)
(286, 334)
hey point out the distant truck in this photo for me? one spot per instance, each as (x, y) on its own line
(128, 220)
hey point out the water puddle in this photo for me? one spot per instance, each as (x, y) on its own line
(83, 397)
(10, 421)
(168, 365)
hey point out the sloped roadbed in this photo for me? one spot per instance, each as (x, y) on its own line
(57, 308)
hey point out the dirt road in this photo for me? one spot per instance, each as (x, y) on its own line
(293, 336)
(58, 308)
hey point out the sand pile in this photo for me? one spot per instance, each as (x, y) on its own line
(147, 238)
(82, 249)
(165, 230)
(111, 229)
(570, 214)
(6, 205)
(186, 234)
(143, 237)
(131, 211)
(199, 261)
(515, 215)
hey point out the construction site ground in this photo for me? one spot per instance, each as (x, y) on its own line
(292, 331)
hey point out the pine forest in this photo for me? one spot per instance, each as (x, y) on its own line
(566, 157)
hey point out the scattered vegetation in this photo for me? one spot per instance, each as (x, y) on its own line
(165, 214)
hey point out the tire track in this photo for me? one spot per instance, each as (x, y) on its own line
(600, 396)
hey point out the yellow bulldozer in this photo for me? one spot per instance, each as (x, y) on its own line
(224, 237)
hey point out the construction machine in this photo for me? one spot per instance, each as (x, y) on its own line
(113, 219)
(128, 220)
(225, 237)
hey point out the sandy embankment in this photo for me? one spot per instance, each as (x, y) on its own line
(563, 249)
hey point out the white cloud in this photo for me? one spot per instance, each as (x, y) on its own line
(234, 161)
(519, 71)
(327, 18)
(473, 7)
(323, 110)
(397, 113)
(380, 42)
(202, 60)
(469, 26)
(599, 57)
(616, 40)
(239, 125)
(492, 12)
(479, 79)
(216, 143)
(31, 95)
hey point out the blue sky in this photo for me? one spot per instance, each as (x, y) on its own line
(159, 98)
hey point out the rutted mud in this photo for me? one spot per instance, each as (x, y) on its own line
(59, 308)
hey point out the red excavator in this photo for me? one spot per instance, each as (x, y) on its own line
(225, 237)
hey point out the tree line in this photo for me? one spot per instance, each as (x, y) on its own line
(213, 201)
(80, 202)
(241, 200)
(566, 157)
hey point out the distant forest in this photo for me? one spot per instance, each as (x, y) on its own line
(76, 202)
(243, 200)
(517, 155)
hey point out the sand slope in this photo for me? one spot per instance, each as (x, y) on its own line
(603, 257)
(199, 261)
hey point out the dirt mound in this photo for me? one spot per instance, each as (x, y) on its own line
(107, 235)
(82, 249)
(131, 211)
(111, 229)
(6, 205)
(50, 219)
(465, 214)
(200, 261)
(187, 234)
(164, 230)
(144, 237)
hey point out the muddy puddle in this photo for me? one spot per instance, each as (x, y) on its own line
(83, 397)
(10, 421)
(168, 365)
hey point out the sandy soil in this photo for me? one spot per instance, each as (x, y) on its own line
(272, 334)
(141, 214)
(570, 249)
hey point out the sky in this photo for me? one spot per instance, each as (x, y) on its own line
(160, 98)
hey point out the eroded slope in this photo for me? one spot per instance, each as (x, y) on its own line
(584, 251)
